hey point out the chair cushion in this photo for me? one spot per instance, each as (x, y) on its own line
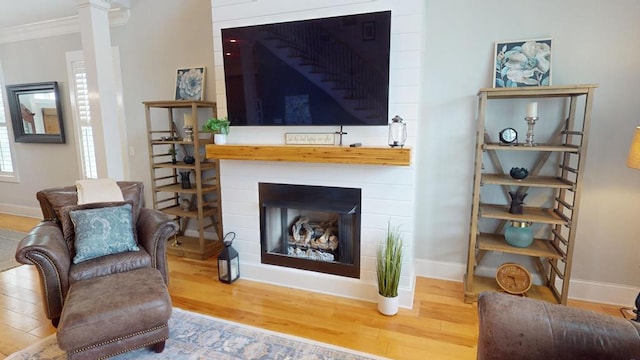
(102, 231)
(110, 264)
(68, 228)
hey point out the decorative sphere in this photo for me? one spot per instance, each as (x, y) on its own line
(519, 173)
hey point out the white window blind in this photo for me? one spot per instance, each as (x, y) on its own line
(6, 164)
(83, 114)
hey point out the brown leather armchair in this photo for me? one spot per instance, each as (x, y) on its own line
(46, 248)
(520, 328)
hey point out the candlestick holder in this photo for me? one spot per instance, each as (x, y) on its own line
(531, 121)
(188, 133)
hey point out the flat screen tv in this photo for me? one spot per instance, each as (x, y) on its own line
(328, 71)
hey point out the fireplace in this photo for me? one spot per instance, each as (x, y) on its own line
(314, 228)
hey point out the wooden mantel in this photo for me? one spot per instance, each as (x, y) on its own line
(368, 155)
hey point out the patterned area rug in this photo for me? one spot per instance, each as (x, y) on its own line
(8, 243)
(196, 336)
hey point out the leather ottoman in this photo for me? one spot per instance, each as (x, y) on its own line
(113, 314)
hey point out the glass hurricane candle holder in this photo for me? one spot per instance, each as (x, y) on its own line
(397, 132)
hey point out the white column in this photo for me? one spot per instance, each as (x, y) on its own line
(109, 140)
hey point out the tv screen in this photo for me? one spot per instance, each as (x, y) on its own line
(328, 71)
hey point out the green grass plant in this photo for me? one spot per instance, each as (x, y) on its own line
(389, 262)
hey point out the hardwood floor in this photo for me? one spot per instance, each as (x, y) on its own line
(440, 325)
(17, 223)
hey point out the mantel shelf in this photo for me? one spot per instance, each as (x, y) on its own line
(367, 155)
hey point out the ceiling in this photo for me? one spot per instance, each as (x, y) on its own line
(13, 13)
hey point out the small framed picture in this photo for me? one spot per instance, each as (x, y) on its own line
(522, 63)
(190, 83)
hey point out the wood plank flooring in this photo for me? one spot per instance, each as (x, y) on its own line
(440, 325)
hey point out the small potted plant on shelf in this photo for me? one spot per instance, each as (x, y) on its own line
(219, 127)
(389, 264)
(173, 152)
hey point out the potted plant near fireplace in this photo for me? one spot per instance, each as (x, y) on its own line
(389, 264)
(219, 127)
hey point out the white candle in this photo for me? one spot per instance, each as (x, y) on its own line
(532, 109)
(187, 120)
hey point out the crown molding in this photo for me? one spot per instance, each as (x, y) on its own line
(221, 3)
(56, 27)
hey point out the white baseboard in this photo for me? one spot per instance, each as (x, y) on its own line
(210, 235)
(440, 270)
(28, 211)
(605, 293)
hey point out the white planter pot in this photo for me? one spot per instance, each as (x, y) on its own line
(387, 306)
(219, 139)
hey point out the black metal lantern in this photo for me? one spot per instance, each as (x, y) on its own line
(228, 261)
(397, 132)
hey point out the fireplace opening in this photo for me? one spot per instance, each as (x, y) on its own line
(314, 228)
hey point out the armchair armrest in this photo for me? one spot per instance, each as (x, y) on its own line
(44, 247)
(520, 328)
(154, 229)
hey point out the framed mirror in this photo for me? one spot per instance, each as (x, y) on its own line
(36, 113)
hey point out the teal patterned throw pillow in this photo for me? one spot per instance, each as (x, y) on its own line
(102, 231)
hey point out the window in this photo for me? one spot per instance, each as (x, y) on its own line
(6, 161)
(84, 128)
(82, 115)
(6, 165)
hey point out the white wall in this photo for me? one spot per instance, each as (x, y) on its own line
(39, 165)
(160, 37)
(593, 42)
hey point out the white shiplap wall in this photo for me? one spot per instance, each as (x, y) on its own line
(388, 192)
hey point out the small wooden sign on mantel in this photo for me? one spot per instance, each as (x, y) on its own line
(310, 138)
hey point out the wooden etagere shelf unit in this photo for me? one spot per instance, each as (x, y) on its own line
(552, 251)
(168, 192)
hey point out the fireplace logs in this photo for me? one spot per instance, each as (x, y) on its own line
(316, 235)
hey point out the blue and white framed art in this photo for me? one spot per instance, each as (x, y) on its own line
(190, 83)
(522, 63)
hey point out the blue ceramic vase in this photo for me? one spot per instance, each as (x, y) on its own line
(519, 234)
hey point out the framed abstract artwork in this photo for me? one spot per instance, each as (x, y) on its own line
(190, 83)
(522, 63)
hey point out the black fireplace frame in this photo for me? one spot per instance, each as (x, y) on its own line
(346, 202)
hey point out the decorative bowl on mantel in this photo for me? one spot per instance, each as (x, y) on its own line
(519, 173)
